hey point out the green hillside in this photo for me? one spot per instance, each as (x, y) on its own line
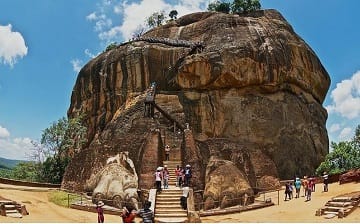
(8, 163)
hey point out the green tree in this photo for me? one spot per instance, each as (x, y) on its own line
(58, 144)
(111, 46)
(27, 171)
(173, 14)
(344, 156)
(156, 19)
(219, 6)
(240, 6)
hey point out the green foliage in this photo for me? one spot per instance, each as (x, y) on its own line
(53, 169)
(111, 46)
(219, 6)
(5, 173)
(26, 171)
(173, 14)
(345, 156)
(61, 198)
(156, 19)
(240, 6)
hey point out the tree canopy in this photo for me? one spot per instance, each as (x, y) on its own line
(156, 19)
(173, 14)
(219, 6)
(237, 6)
(344, 156)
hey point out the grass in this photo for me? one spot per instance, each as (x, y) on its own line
(62, 198)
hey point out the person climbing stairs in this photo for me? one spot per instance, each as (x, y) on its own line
(167, 206)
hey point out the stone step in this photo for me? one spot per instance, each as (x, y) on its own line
(342, 199)
(338, 204)
(334, 209)
(9, 206)
(168, 215)
(6, 202)
(170, 191)
(11, 211)
(329, 212)
(167, 203)
(171, 220)
(168, 198)
(177, 205)
(14, 215)
(170, 211)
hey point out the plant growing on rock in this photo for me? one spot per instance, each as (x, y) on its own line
(240, 6)
(219, 6)
(156, 19)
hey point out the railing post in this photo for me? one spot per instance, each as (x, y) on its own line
(278, 197)
(68, 200)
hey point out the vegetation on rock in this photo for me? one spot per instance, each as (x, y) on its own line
(156, 19)
(237, 6)
(345, 156)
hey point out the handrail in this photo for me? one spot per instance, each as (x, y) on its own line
(168, 116)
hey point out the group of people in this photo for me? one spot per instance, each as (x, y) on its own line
(308, 184)
(128, 214)
(183, 176)
(162, 175)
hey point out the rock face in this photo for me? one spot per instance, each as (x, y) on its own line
(252, 93)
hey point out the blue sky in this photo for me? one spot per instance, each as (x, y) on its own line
(44, 43)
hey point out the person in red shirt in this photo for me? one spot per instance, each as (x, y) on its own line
(100, 211)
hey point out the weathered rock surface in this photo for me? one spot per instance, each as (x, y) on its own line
(226, 185)
(116, 184)
(253, 96)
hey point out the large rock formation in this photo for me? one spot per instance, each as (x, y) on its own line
(250, 88)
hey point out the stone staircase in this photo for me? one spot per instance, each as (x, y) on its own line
(167, 206)
(340, 206)
(12, 209)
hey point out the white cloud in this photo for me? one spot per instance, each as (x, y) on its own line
(89, 54)
(133, 15)
(14, 148)
(4, 133)
(12, 45)
(77, 65)
(334, 128)
(346, 98)
(345, 134)
(18, 148)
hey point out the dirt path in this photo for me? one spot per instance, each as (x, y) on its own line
(295, 210)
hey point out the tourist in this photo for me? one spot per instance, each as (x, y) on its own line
(291, 190)
(127, 216)
(326, 182)
(313, 180)
(183, 198)
(188, 175)
(287, 191)
(100, 211)
(177, 174)
(305, 186)
(309, 189)
(146, 213)
(158, 179)
(297, 185)
(167, 152)
(181, 177)
(166, 177)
